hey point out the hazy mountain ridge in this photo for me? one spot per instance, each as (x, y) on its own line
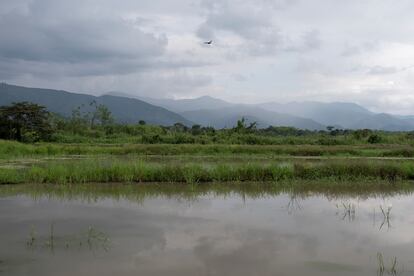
(336, 113)
(124, 110)
(182, 105)
(344, 115)
(208, 111)
(227, 117)
(309, 115)
(384, 121)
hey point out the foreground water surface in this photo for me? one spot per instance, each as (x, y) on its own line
(210, 233)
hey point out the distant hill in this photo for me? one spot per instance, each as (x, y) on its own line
(227, 117)
(384, 122)
(205, 102)
(124, 110)
(208, 111)
(318, 114)
(343, 115)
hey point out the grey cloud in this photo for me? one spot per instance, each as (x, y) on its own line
(279, 4)
(93, 46)
(381, 70)
(352, 50)
(253, 23)
(206, 32)
(89, 46)
(19, 6)
(36, 37)
(310, 40)
(251, 251)
(157, 83)
(240, 77)
(239, 20)
(171, 84)
(387, 70)
(249, 22)
(154, 48)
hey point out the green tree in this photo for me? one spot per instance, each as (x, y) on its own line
(179, 127)
(361, 133)
(25, 121)
(242, 126)
(98, 114)
(78, 122)
(374, 139)
(196, 130)
(104, 115)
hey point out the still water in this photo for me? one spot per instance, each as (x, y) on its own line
(206, 234)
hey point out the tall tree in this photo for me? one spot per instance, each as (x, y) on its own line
(25, 121)
(100, 113)
(104, 115)
(242, 126)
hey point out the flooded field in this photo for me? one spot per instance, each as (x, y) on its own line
(150, 230)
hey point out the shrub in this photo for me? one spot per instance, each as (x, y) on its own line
(374, 139)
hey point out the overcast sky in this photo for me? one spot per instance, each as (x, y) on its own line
(281, 50)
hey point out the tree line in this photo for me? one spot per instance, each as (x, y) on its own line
(29, 122)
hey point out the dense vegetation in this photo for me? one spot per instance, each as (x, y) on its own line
(77, 130)
(95, 170)
(13, 150)
(25, 122)
(95, 149)
(96, 125)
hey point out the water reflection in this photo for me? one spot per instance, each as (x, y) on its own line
(393, 269)
(386, 216)
(294, 203)
(175, 230)
(347, 211)
(92, 239)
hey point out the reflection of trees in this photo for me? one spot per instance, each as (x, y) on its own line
(293, 204)
(386, 213)
(191, 193)
(393, 269)
(92, 239)
(97, 239)
(348, 211)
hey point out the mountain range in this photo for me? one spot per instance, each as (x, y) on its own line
(124, 110)
(208, 111)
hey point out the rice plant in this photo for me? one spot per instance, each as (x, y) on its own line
(120, 171)
(93, 238)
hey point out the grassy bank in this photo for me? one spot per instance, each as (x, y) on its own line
(107, 171)
(12, 150)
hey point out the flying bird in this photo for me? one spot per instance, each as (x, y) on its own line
(208, 42)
